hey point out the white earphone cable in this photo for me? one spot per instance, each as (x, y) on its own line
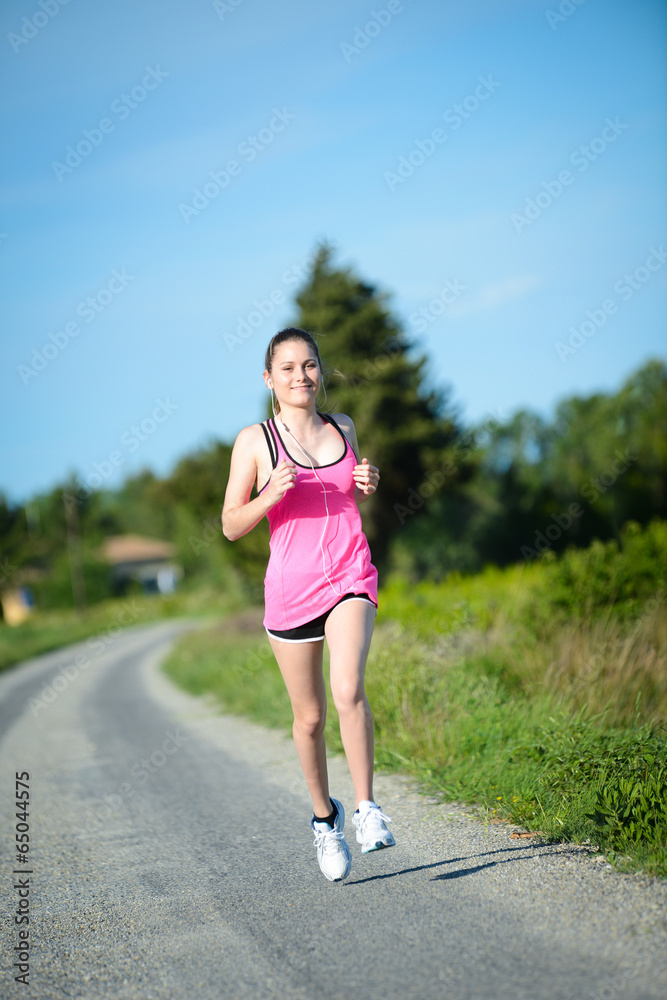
(326, 506)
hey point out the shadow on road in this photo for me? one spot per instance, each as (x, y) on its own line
(452, 861)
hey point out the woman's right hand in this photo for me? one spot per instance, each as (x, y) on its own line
(282, 479)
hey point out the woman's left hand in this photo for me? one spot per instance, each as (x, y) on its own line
(366, 477)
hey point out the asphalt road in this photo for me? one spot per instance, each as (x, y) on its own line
(171, 856)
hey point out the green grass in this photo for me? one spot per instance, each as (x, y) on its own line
(238, 668)
(489, 691)
(46, 630)
(468, 732)
(537, 692)
(468, 729)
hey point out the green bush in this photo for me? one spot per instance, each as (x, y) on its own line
(473, 696)
(55, 590)
(631, 802)
(583, 581)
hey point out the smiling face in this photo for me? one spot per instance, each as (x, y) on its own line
(295, 374)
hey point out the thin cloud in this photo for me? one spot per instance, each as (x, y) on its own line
(495, 294)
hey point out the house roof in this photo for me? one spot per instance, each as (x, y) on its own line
(135, 548)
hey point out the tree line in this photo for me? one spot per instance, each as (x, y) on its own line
(452, 498)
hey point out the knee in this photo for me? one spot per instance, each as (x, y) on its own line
(347, 696)
(310, 722)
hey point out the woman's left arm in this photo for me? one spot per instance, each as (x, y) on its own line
(366, 476)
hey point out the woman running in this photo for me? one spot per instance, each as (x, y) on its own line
(320, 581)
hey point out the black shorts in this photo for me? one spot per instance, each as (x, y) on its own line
(314, 629)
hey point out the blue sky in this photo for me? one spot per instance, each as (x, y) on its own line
(497, 165)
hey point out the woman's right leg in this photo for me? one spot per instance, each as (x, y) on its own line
(300, 664)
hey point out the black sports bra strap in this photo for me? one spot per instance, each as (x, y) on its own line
(273, 448)
(331, 420)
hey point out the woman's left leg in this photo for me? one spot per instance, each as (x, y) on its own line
(349, 630)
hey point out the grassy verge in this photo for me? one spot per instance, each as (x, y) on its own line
(46, 630)
(537, 692)
(467, 730)
(554, 721)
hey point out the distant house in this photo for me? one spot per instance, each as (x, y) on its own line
(147, 560)
(17, 604)
(16, 593)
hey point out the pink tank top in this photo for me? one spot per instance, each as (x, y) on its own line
(296, 588)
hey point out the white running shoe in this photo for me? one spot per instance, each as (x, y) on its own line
(333, 853)
(372, 833)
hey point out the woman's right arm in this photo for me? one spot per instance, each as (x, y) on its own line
(238, 515)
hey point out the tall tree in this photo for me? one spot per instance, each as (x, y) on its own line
(405, 427)
(194, 494)
(610, 452)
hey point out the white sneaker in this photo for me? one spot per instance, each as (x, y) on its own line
(333, 853)
(372, 833)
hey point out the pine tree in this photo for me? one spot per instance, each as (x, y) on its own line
(404, 427)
